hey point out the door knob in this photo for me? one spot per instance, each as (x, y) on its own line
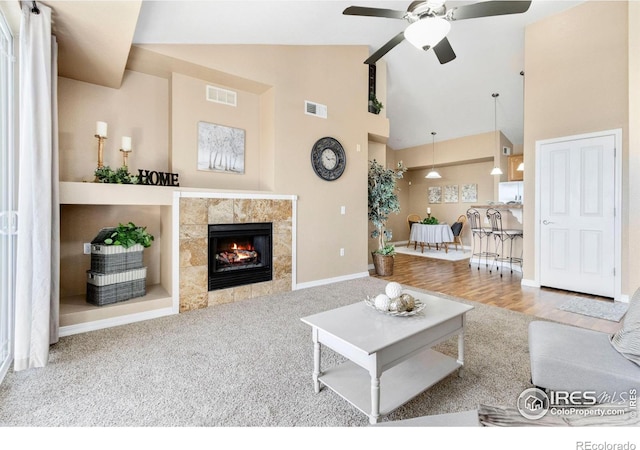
(546, 222)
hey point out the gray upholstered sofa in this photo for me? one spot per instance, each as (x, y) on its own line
(568, 358)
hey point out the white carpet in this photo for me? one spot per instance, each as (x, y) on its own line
(452, 255)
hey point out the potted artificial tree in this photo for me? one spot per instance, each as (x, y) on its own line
(383, 200)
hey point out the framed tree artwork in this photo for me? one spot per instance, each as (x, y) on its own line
(220, 148)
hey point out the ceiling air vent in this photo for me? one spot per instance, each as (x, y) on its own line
(315, 109)
(224, 96)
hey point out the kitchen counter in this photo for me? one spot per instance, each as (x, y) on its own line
(515, 209)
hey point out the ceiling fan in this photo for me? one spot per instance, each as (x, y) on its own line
(429, 23)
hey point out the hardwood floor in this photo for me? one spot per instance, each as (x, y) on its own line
(458, 279)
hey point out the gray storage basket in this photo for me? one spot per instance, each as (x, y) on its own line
(104, 289)
(113, 258)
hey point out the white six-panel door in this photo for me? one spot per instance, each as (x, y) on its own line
(577, 215)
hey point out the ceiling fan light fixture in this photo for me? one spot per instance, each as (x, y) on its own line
(427, 32)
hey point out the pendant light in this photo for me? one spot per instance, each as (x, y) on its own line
(496, 170)
(433, 173)
(520, 167)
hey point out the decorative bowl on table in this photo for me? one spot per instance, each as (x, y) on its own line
(402, 306)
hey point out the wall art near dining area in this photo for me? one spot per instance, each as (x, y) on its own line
(469, 193)
(451, 193)
(220, 148)
(435, 194)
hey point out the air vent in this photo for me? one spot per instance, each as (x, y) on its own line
(224, 96)
(315, 109)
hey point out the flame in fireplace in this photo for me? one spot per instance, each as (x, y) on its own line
(238, 254)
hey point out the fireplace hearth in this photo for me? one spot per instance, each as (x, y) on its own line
(239, 254)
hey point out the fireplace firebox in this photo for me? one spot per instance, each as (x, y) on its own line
(240, 253)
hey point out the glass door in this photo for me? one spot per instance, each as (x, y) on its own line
(8, 190)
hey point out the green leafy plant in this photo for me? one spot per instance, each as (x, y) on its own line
(430, 221)
(383, 200)
(129, 235)
(121, 175)
(375, 104)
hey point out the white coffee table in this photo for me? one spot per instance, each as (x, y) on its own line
(390, 360)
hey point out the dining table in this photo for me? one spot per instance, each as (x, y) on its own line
(438, 234)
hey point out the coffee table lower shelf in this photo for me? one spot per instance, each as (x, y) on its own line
(398, 385)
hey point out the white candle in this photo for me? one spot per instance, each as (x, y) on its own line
(101, 129)
(126, 143)
(428, 210)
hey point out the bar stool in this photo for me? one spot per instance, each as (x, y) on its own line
(480, 233)
(500, 236)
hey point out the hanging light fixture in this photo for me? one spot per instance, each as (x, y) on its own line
(427, 32)
(520, 167)
(433, 173)
(496, 169)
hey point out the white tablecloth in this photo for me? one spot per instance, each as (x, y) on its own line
(431, 234)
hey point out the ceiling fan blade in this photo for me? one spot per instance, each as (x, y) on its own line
(444, 52)
(374, 12)
(489, 8)
(385, 48)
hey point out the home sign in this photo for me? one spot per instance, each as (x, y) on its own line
(151, 177)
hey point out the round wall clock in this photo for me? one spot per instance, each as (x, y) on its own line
(328, 158)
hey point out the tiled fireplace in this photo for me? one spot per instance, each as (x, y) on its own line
(196, 216)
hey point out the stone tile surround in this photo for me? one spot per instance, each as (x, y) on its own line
(195, 216)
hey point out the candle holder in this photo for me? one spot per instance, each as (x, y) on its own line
(101, 140)
(125, 157)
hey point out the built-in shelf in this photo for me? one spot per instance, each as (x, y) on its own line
(99, 203)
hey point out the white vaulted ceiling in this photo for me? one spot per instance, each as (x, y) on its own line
(453, 99)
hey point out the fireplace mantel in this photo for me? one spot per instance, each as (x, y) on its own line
(194, 211)
(176, 289)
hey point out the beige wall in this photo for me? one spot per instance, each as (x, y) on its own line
(577, 81)
(189, 107)
(453, 151)
(138, 109)
(276, 81)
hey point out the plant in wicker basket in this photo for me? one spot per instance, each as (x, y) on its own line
(129, 235)
(383, 200)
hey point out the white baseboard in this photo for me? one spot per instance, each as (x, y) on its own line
(324, 281)
(623, 298)
(529, 283)
(113, 322)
